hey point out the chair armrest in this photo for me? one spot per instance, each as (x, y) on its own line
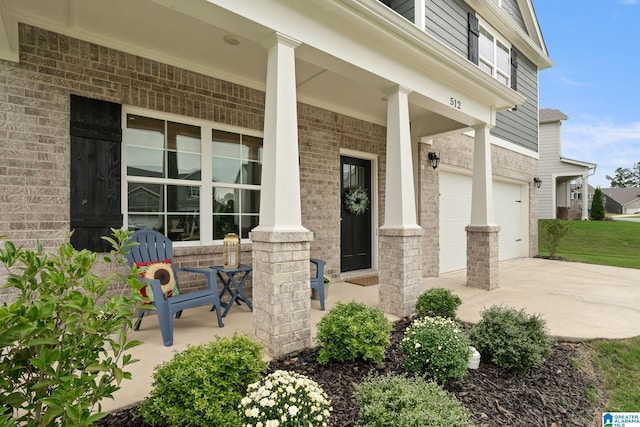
(317, 261)
(156, 288)
(319, 267)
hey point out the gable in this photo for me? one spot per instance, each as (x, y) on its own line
(513, 10)
(446, 20)
(516, 20)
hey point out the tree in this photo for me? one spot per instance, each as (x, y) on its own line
(597, 205)
(625, 177)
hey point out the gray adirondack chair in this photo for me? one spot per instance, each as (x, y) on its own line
(317, 281)
(153, 246)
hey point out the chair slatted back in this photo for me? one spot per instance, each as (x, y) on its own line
(152, 246)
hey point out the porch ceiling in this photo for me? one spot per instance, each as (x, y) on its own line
(208, 39)
(566, 178)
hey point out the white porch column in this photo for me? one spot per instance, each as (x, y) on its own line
(585, 197)
(280, 190)
(482, 233)
(400, 238)
(281, 245)
(400, 200)
(482, 190)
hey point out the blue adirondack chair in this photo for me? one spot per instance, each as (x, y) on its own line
(317, 281)
(153, 247)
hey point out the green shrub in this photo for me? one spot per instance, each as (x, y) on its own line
(553, 231)
(353, 330)
(286, 398)
(511, 339)
(396, 401)
(204, 384)
(438, 302)
(64, 340)
(437, 347)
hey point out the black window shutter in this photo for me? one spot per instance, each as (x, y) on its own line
(474, 35)
(514, 69)
(96, 144)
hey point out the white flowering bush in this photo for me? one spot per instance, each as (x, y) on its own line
(285, 399)
(437, 347)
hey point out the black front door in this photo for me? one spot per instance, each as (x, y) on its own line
(357, 202)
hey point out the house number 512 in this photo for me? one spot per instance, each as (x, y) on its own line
(455, 103)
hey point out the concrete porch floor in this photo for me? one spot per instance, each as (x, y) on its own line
(578, 301)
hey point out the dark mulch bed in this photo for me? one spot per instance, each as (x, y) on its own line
(557, 392)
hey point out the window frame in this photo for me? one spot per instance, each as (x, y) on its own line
(205, 185)
(493, 62)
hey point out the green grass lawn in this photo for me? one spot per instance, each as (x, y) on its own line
(615, 243)
(618, 363)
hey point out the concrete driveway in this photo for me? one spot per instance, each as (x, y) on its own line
(578, 301)
(630, 218)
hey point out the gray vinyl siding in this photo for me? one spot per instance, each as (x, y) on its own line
(406, 8)
(512, 9)
(447, 21)
(521, 126)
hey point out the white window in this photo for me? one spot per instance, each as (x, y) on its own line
(192, 181)
(236, 164)
(494, 54)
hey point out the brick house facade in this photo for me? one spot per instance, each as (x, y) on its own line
(45, 67)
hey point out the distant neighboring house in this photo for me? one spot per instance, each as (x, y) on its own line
(565, 182)
(621, 200)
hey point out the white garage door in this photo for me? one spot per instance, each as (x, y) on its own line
(455, 215)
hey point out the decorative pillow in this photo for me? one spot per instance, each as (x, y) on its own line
(162, 271)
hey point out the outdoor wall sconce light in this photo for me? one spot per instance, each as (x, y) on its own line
(537, 181)
(231, 250)
(434, 159)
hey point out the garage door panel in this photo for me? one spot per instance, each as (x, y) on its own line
(455, 215)
(508, 214)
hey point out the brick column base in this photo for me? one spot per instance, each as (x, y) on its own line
(482, 256)
(281, 292)
(400, 270)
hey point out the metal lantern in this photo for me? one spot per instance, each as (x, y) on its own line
(434, 159)
(231, 250)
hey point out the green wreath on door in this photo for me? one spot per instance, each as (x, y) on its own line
(356, 200)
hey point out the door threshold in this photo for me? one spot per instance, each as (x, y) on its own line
(356, 274)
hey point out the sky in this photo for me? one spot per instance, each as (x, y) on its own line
(595, 80)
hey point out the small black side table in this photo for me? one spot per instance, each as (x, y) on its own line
(233, 286)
